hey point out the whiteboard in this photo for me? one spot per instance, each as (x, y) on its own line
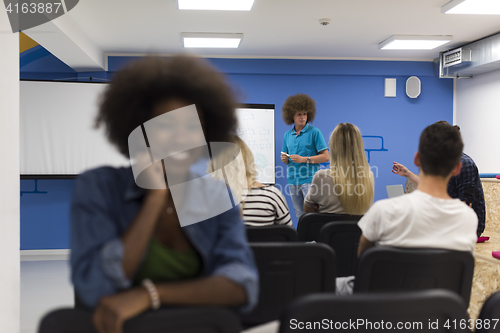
(256, 128)
(58, 138)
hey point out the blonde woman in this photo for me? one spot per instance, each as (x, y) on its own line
(347, 188)
(261, 205)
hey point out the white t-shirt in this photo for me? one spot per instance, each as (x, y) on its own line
(419, 220)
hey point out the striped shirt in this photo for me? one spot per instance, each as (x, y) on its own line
(265, 206)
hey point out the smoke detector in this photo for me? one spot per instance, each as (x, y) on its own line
(324, 21)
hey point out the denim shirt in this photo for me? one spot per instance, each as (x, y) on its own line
(106, 201)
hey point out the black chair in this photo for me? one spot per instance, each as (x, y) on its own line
(310, 224)
(490, 315)
(175, 320)
(272, 233)
(385, 269)
(423, 311)
(343, 238)
(288, 271)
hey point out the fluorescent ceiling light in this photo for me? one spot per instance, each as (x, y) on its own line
(209, 40)
(216, 4)
(487, 7)
(409, 42)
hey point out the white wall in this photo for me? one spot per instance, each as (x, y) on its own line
(478, 115)
(9, 176)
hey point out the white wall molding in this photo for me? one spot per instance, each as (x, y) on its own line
(45, 255)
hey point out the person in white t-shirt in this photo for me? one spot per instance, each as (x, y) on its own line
(427, 217)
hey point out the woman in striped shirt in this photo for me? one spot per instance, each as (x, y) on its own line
(261, 205)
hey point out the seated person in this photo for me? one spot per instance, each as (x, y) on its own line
(348, 186)
(465, 186)
(262, 205)
(427, 217)
(147, 235)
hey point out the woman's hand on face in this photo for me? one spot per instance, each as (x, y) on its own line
(114, 310)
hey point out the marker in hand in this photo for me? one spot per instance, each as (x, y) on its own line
(283, 153)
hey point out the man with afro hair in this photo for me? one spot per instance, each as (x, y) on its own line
(304, 147)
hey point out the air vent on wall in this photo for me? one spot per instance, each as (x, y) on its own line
(479, 57)
(456, 57)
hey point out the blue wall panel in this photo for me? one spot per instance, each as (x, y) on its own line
(359, 100)
(45, 214)
(344, 90)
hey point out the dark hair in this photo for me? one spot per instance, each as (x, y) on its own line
(440, 149)
(447, 123)
(135, 91)
(298, 103)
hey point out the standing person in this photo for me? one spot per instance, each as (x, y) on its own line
(466, 186)
(348, 186)
(304, 147)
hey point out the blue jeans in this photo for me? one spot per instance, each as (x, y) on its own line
(298, 194)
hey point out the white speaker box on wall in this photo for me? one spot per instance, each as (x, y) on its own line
(413, 87)
(390, 88)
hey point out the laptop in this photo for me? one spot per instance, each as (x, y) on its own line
(394, 190)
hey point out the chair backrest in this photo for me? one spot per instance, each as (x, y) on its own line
(384, 269)
(172, 320)
(490, 315)
(310, 224)
(288, 271)
(424, 311)
(272, 233)
(343, 238)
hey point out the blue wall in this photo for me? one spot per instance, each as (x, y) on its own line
(344, 91)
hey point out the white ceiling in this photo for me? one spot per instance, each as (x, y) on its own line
(279, 28)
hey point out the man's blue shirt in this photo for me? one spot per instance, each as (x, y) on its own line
(309, 142)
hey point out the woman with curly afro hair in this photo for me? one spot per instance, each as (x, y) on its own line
(153, 234)
(304, 147)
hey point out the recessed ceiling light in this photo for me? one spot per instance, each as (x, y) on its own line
(211, 40)
(486, 7)
(216, 4)
(413, 42)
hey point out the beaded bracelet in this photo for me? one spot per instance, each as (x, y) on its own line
(153, 293)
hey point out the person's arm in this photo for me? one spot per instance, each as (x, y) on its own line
(212, 290)
(284, 158)
(364, 244)
(323, 156)
(114, 310)
(310, 208)
(400, 169)
(102, 259)
(284, 149)
(313, 196)
(136, 238)
(465, 183)
(371, 227)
